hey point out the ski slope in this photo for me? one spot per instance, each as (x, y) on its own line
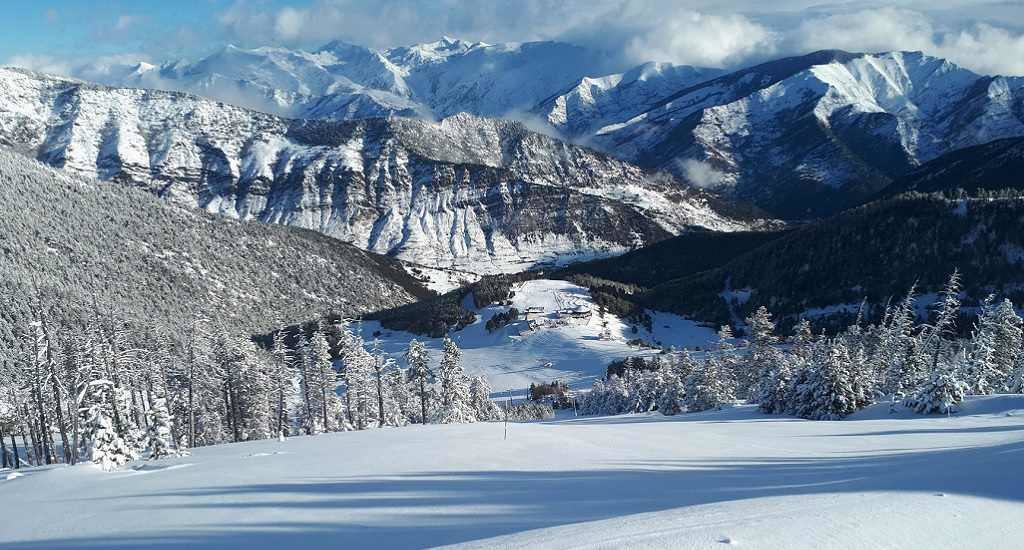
(697, 480)
(557, 347)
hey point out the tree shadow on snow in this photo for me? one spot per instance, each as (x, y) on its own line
(436, 508)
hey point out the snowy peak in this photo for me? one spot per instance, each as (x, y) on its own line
(809, 135)
(600, 101)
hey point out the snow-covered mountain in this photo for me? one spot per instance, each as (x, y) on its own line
(812, 134)
(598, 102)
(801, 136)
(345, 81)
(484, 195)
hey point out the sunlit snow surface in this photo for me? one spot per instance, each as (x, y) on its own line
(873, 481)
(561, 348)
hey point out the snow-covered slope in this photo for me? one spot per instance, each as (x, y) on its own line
(810, 134)
(483, 195)
(551, 344)
(600, 101)
(700, 480)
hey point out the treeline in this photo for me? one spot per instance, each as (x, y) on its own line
(111, 391)
(875, 252)
(924, 366)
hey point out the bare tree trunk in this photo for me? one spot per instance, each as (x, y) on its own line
(52, 370)
(305, 396)
(3, 448)
(14, 445)
(36, 447)
(380, 392)
(323, 405)
(191, 395)
(423, 399)
(31, 446)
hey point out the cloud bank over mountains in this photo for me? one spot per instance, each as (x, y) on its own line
(984, 36)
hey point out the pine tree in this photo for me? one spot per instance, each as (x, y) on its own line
(897, 355)
(828, 391)
(803, 339)
(283, 382)
(671, 395)
(158, 435)
(995, 345)
(941, 394)
(420, 375)
(709, 387)
(480, 399)
(382, 365)
(455, 398)
(775, 388)
(106, 449)
(324, 378)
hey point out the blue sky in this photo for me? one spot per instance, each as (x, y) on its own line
(68, 36)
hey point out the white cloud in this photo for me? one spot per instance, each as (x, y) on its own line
(981, 47)
(290, 23)
(701, 174)
(985, 49)
(41, 63)
(985, 36)
(699, 39)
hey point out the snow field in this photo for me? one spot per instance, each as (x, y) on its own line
(697, 480)
(570, 350)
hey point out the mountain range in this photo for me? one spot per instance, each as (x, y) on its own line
(800, 137)
(494, 158)
(479, 194)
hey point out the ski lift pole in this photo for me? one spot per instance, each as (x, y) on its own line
(508, 407)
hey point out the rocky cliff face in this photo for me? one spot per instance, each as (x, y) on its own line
(478, 194)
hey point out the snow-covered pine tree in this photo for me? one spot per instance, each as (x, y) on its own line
(158, 434)
(682, 365)
(593, 403)
(993, 350)
(947, 311)
(897, 356)
(616, 398)
(775, 390)
(358, 377)
(941, 394)
(643, 389)
(803, 339)
(403, 405)
(420, 375)
(757, 369)
(382, 365)
(827, 389)
(671, 394)
(480, 399)
(320, 366)
(709, 387)
(455, 399)
(106, 449)
(282, 381)
(828, 392)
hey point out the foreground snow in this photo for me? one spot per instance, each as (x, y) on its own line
(567, 349)
(693, 481)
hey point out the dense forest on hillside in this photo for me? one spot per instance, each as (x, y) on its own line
(86, 245)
